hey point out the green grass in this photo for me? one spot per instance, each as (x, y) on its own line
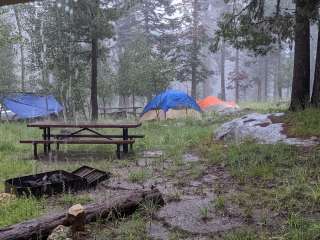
(15, 211)
(174, 137)
(265, 107)
(17, 159)
(70, 199)
(304, 123)
(139, 176)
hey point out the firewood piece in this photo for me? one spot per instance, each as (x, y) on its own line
(40, 228)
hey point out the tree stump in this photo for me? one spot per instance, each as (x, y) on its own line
(77, 219)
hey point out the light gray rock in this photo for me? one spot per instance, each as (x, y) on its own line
(190, 157)
(152, 154)
(260, 128)
(60, 233)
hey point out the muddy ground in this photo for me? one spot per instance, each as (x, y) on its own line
(196, 195)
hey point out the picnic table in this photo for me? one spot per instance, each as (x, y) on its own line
(76, 136)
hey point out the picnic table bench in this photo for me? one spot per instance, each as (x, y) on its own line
(76, 137)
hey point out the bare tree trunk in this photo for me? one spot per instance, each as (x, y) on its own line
(301, 73)
(223, 81)
(277, 90)
(279, 85)
(195, 48)
(259, 86)
(237, 84)
(94, 75)
(259, 80)
(315, 98)
(22, 60)
(266, 72)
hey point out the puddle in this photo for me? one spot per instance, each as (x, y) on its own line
(197, 216)
(157, 231)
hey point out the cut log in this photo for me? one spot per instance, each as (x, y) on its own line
(77, 218)
(119, 206)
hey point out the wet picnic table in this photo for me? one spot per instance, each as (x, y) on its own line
(93, 128)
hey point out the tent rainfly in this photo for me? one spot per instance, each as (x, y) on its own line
(171, 104)
(28, 105)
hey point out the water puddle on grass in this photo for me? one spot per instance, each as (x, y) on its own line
(196, 216)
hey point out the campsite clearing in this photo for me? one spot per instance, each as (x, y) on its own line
(251, 188)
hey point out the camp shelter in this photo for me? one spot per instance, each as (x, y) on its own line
(212, 103)
(30, 105)
(171, 104)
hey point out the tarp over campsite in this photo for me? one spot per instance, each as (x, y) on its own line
(31, 106)
(171, 104)
(171, 99)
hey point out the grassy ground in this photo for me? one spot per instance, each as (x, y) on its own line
(281, 183)
(304, 123)
(16, 159)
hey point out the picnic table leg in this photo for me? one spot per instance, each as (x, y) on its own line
(45, 138)
(125, 137)
(48, 138)
(131, 146)
(118, 151)
(35, 151)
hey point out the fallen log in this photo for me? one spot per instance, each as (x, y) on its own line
(10, 2)
(41, 228)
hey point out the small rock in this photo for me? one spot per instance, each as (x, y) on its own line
(195, 184)
(209, 178)
(6, 197)
(60, 233)
(152, 154)
(189, 157)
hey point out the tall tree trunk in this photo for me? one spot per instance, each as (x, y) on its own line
(266, 73)
(195, 48)
(17, 17)
(279, 84)
(259, 87)
(301, 73)
(94, 75)
(237, 84)
(277, 89)
(259, 80)
(315, 98)
(222, 70)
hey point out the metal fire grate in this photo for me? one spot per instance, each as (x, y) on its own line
(48, 183)
(91, 175)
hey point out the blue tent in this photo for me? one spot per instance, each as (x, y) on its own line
(171, 99)
(31, 105)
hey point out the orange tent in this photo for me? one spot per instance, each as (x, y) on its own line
(212, 101)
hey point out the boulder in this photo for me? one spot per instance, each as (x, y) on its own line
(260, 128)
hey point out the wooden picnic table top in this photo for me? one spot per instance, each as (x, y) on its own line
(82, 125)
